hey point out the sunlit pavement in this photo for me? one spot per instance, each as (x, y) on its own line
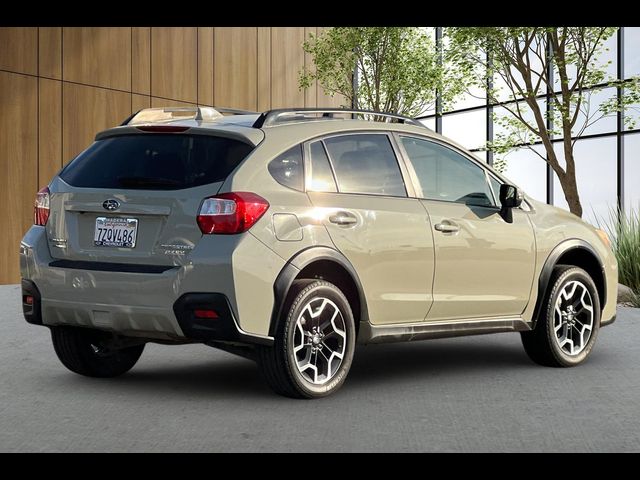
(466, 394)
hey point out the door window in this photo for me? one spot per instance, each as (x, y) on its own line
(444, 174)
(365, 163)
(321, 176)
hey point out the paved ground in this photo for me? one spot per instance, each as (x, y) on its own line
(466, 394)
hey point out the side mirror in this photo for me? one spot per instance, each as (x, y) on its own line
(510, 197)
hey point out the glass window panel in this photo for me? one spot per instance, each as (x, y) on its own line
(444, 174)
(287, 168)
(429, 122)
(430, 110)
(607, 59)
(469, 129)
(596, 176)
(481, 155)
(632, 171)
(632, 117)
(472, 98)
(495, 186)
(366, 164)
(528, 171)
(631, 50)
(321, 177)
(591, 115)
(526, 112)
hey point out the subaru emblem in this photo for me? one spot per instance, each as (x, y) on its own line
(111, 204)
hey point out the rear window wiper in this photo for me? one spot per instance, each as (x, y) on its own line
(148, 182)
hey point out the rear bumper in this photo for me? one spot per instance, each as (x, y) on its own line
(222, 328)
(144, 304)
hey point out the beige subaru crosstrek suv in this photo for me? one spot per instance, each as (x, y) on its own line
(292, 235)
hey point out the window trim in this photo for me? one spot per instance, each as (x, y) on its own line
(404, 174)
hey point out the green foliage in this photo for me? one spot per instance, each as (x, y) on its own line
(398, 68)
(518, 61)
(624, 231)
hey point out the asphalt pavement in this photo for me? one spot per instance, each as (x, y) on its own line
(466, 394)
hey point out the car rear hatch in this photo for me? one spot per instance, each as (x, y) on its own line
(133, 196)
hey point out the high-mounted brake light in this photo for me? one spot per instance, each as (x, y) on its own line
(41, 207)
(230, 213)
(163, 128)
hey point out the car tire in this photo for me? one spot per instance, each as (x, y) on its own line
(568, 326)
(314, 343)
(82, 351)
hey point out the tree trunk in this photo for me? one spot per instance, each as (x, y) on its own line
(570, 189)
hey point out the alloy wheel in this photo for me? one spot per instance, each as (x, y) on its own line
(573, 318)
(319, 340)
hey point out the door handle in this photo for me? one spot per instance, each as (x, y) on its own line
(343, 218)
(446, 227)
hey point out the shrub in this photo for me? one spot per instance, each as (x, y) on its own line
(624, 231)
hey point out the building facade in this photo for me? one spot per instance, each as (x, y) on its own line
(607, 154)
(59, 86)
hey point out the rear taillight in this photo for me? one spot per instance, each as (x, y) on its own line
(41, 207)
(229, 213)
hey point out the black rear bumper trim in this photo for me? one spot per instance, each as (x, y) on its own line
(110, 267)
(32, 312)
(224, 328)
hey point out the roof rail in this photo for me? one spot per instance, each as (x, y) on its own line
(276, 116)
(167, 114)
(235, 111)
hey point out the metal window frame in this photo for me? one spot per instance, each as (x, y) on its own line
(619, 133)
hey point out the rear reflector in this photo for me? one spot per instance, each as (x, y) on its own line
(205, 314)
(163, 128)
(28, 300)
(229, 213)
(41, 207)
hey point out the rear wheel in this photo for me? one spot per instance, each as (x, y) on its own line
(566, 331)
(314, 344)
(87, 352)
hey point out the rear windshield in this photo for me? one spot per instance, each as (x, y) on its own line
(155, 161)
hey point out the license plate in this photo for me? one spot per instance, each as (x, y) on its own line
(115, 232)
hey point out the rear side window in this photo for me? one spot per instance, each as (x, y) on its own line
(365, 163)
(321, 175)
(287, 168)
(155, 161)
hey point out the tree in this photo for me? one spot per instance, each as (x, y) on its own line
(398, 68)
(523, 59)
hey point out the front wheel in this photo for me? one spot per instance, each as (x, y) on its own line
(566, 331)
(87, 352)
(314, 343)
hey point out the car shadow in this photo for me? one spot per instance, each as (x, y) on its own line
(374, 365)
(425, 360)
(228, 377)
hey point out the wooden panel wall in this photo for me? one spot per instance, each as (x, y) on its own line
(18, 166)
(60, 86)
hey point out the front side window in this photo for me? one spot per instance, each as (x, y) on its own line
(495, 185)
(287, 168)
(365, 163)
(444, 174)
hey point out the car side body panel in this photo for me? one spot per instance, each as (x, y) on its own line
(484, 269)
